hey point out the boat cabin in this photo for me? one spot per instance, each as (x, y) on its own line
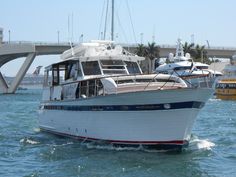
(100, 69)
(75, 69)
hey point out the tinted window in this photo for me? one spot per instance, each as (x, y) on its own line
(132, 67)
(91, 68)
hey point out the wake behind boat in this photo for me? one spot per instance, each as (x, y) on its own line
(104, 96)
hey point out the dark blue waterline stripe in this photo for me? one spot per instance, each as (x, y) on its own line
(167, 106)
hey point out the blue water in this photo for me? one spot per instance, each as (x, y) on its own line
(25, 151)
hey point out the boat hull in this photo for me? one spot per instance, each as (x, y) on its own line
(226, 94)
(226, 89)
(162, 119)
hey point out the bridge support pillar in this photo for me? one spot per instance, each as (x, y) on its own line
(21, 73)
(3, 84)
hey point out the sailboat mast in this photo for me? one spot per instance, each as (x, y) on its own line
(112, 21)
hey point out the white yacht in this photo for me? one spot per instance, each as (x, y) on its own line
(195, 73)
(104, 96)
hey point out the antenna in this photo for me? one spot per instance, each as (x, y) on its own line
(72, 26)
(153, 34)
(131, 21)
(112, 21)
(72, 49)
(192, 38)
(68, 27)
(105, 25)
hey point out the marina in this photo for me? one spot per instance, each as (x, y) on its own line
(122, 103)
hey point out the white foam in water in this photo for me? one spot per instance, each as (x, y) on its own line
(92, 145)
(28, 141)
(201, 144)
(214, 99)
(36, 130)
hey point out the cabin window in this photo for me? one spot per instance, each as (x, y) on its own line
(55, 74)
(99, 88)
(83, 89)
(91, 88)
(113, 67)
(125, 81)
(77, 93)
(132, 67)
(47, 78)
(112, 63)
(79, 72)
(202, 67)
(70, 71)
(226, 85)
(182, 68)
(91, 68)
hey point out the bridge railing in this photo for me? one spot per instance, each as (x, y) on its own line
(171, 46)
(64, 43)
(39, 43)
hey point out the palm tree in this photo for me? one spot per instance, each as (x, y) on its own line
(189, 48)
(153, 52)
(200, 53)
(141, 50)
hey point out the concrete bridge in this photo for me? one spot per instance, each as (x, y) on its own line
(217, 52)
(14, 50)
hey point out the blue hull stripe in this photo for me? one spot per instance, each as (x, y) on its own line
(146, 107)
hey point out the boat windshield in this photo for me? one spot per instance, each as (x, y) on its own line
(182, 68)
(110, 67)
(113, 67)
(119, 67)
(132, 67)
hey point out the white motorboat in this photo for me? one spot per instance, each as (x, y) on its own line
(195, 73)
(105, 97)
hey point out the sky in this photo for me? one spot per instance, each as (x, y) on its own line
(135, 21)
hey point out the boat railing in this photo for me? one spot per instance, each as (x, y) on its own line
(113, 85)
(199, 80)
(116, 84)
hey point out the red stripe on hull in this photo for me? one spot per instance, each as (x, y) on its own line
(173, 142)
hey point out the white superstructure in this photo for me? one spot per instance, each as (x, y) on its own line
(104, 96)
(196, 73)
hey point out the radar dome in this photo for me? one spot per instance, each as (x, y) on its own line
(171, 57)
(187, 55)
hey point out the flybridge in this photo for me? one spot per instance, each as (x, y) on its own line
(102, 49)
